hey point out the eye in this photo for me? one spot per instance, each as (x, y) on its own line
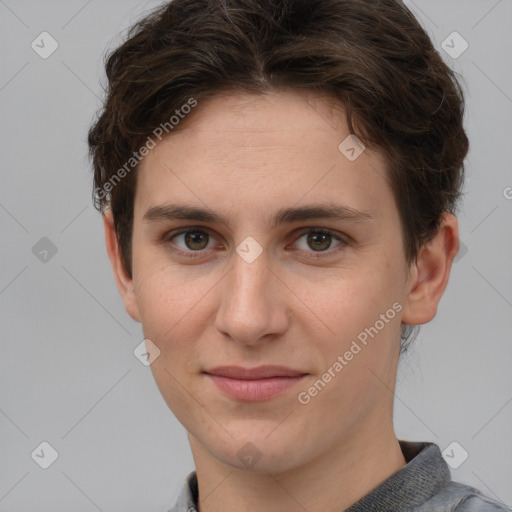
(318, 240)
(190, 241)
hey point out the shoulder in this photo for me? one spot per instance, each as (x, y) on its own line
(458, 497)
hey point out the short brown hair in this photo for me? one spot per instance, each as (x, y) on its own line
(371, 55)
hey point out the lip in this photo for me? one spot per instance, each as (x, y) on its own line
(254, 384)
(259, 372)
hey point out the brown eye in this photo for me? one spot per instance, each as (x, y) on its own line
(319, 241)
(196, 240)
(190, 241)
(315, 243)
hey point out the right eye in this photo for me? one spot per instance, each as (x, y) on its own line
(190, 243)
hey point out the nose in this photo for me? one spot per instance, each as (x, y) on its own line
(253, 304)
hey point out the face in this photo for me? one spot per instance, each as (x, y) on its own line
(258, 243)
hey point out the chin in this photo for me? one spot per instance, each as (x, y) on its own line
(259, 454)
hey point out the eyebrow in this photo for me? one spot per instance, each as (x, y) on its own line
(284, 215)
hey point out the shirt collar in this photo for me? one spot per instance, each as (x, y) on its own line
(424, 475)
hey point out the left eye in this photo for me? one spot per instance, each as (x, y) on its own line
(319, 240)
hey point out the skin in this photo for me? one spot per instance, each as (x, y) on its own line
(245, 157)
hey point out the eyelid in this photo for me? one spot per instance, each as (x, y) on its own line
(327, 231)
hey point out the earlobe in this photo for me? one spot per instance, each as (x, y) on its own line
(430, 273)
(123, 280)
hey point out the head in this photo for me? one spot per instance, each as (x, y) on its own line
(313, 150)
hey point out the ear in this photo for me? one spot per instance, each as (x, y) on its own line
(123, 280)
(429, 274)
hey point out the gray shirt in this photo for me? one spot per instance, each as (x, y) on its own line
(423, 484)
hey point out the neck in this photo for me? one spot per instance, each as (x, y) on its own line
(333, 481)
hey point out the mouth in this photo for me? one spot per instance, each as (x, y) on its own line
(254, 384)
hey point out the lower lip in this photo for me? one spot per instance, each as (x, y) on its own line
(255, 390)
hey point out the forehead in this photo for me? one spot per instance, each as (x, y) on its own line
(239, 117)
(261, 149)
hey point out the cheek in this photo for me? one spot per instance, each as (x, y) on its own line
(163, 292)
(362, 312)
(173, 313)
(170, 320)
(353, 299)
(160, 301)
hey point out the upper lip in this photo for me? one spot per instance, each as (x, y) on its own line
(259, 372)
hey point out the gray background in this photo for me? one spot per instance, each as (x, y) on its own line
(67, 369)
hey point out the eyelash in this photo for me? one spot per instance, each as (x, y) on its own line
(343, 242)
